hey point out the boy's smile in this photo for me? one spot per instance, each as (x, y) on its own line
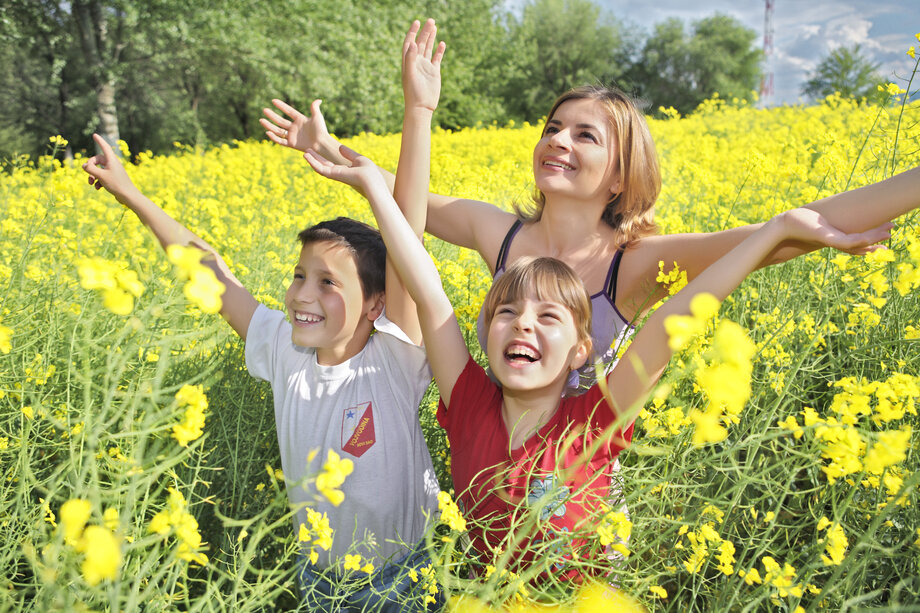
(326, 303)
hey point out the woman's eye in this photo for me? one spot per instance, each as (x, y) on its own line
(589, 136)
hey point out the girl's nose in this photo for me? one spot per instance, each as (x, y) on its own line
(524, 320)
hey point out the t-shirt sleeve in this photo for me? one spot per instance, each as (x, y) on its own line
(405, 363)
(267, 329)
(472, 393)
(591, 407)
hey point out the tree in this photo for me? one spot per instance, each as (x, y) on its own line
(847, 71)
(674, 69)
(558, 44)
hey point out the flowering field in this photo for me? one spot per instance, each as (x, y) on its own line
(140, 469)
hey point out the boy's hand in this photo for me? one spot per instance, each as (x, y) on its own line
(299, 132)
(106, 170)
(807, 225)
(359, 172)
(421, 66)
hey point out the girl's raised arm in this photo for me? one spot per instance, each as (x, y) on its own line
(855, 211)
(648, 355)
(446, 348)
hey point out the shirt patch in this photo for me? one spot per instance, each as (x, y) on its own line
(358, 429)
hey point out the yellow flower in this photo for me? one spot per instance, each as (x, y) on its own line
(195, 402)
(890, 449)
(450, 513)
(836, 546)
(102, 553)
(204, 290)
(912, 52)
(74, 514)
(28, 412)
(750, 577)
(6, 335)
(708, 427)
(658, 591)
(333, 476)
(352, 562)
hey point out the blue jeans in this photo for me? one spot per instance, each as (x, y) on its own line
(390, 588)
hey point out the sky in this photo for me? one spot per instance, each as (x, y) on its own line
(804, 31)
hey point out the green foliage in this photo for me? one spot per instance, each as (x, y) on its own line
(678, 70)
(846, 71)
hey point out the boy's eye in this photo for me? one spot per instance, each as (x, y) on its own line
(327, 282)
(551, 315)
(298, 275)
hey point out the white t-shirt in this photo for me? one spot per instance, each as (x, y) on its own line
(365, 409)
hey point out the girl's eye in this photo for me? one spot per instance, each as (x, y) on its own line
(504, 311)
(298, 275)
(550, 315)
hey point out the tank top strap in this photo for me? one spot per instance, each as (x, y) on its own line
(506, 245)
(610, 286)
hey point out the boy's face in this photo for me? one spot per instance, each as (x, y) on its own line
(533, 344)
(326, 305)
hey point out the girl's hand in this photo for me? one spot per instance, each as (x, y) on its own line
(421, 66)
(359, 172)
(106, 170)
(299, 132)
(807, 225)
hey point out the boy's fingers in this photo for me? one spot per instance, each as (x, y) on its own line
(314, 108)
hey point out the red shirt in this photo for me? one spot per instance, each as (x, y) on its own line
(552, 483)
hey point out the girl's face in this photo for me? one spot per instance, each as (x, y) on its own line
(533, 344)
(577, 154)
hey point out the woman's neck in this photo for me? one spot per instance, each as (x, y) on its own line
(567, 228)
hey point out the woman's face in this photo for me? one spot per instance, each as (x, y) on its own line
(577, 155)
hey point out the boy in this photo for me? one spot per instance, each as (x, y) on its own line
(345, 377)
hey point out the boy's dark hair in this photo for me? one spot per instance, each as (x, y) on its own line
(363, 242)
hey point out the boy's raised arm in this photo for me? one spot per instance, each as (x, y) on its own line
(648, 355)
(105, 170)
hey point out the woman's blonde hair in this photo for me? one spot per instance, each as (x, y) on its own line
(548, 279)
(631, 212)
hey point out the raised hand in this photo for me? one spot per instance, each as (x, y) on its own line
(421, 66)
(358, 171)
(297, 131)
(106, 170)
(810, 226)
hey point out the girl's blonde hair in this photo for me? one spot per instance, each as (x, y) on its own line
(548, 279)
(631, 212)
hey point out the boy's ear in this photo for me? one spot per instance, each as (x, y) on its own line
(376, 306)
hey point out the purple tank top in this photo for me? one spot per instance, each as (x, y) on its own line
(609, 329)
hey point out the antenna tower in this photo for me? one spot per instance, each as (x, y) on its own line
(766, 82)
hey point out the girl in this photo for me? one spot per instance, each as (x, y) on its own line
(515, 441)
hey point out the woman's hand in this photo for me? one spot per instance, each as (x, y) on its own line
(297, 131)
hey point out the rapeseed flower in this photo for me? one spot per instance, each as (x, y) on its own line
(175, 518)
(202, 287)
(450, 513)
(196, 403)
(333, 476)
(6, 334)
(74, 514)
(102, 554)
